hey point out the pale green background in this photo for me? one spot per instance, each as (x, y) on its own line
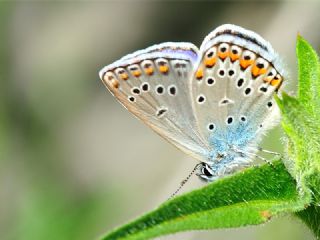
(73, 162)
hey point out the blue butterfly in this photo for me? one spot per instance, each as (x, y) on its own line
(214, 103)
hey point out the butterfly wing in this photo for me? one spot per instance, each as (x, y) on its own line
(153, 84)
(233, 86)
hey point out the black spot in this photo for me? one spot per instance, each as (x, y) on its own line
(145, 87)
(173, 90)
(147, 65)
(260, 125)
(270, 74)
(210, 81)
(177, 65)
(269, 104)
(136, 90)
(162, 63)
(229, 120)
(132, 99)
(201, 99)
(133, 68)
(247, 57)
(225, 101)
(160, 89)
(161, 112)
(243, 119)
(240, 82)
(234, 51)
(231, 72)
(263, 89)
(210, 54)
(211, 126)
(223, 49)
(247, 91)
(221, 73)
(260, 65)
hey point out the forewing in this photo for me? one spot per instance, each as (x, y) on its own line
(153, 84)
(234, 81)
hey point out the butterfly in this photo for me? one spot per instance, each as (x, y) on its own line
(214, 103)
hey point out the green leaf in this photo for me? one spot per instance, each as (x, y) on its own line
(309, 74)
(311, 217)
(250, 197)
(301, 123)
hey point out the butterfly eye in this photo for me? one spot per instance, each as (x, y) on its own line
(207, 171)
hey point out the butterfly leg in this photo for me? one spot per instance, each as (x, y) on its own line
(262, 158)
(269, 152)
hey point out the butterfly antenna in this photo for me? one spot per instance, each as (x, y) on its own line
(185, 180)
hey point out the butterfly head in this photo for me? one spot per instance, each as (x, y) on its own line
(206, 173)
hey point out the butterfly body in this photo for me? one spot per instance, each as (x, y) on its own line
(214, 103)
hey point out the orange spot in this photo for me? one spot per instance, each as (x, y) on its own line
(223, 55)
(234, 57)
(124, 76)
(115, 83)
(275, 82)
(268, 79)
(149, 71)
(245, 63)
(210, 62)
(163, 69)
(266, 214)
(257, 71)
(199, 74)
(136, 73)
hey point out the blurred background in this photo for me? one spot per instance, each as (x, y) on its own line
(73, 162)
